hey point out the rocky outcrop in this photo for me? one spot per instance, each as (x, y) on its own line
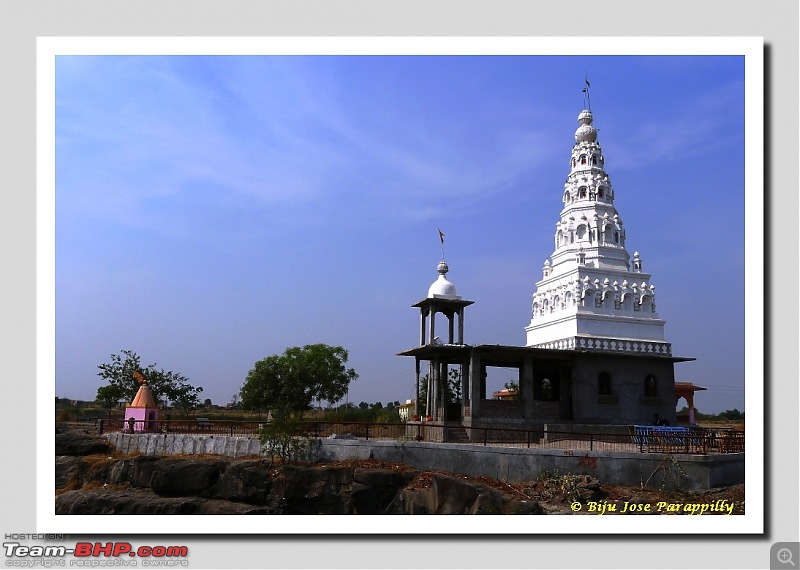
(91, 479)
(451, 495)
(79, 442)
(168, 485)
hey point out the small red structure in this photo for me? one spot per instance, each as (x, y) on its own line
(686, 391)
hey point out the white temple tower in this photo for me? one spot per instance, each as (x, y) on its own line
(592, 296)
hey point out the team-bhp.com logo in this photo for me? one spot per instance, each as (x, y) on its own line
(93, 554)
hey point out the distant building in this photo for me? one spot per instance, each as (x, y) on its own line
(505, 394)
(406, 410)
(595, 350)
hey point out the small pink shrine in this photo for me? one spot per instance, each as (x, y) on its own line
(142, 414)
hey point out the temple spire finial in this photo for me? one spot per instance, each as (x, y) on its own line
(587, 102)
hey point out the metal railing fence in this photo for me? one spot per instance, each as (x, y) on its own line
(642, 439)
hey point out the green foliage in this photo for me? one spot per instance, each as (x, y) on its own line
(284, 439)
(513, 388)
(166, 386)
(368, 414)
(453, 386)
(730, 415)
(109, 396)
(733, 414)
(452, 389)
(291, 381)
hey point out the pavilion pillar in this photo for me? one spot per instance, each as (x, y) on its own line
(690, 401)
(461, 325)
(526, 388)
(450, 319)
(422, 327)
(433, 326)
(437, 389)
(465, 384)
(475, 371)
(443, 391)
(416, 386)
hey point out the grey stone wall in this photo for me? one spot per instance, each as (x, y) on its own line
(508, 464)
(627, 403)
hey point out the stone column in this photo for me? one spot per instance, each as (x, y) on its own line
(475, 386)
(434, 390)
(422, 326)
(465, 384)
(461, 325)
(416, 385)
(450, 323)
(526, 388)
(433, 325)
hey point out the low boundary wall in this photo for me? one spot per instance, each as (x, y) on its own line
(508, 464)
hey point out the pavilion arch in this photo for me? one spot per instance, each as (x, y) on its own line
(646, 303)
(608, 233)
(581, 232)
(627, 301)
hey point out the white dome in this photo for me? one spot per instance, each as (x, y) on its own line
(586, 132)
(442, 288)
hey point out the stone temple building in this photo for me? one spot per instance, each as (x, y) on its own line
(595, 351)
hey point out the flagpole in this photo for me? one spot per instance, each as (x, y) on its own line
(441, 241)
(587, 101)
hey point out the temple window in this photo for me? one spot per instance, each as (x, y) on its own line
(650, 387)
(547, 389)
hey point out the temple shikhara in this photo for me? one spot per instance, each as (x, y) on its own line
(595, 350)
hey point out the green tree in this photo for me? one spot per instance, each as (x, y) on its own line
(291, 381)
(513, 388)
(166, 386)
(109, 396)
(733, 414)
(453, 386)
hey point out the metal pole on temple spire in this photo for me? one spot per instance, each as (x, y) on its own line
(441, 241)
(587, 102)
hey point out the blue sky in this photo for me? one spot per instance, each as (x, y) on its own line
(214, 210)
